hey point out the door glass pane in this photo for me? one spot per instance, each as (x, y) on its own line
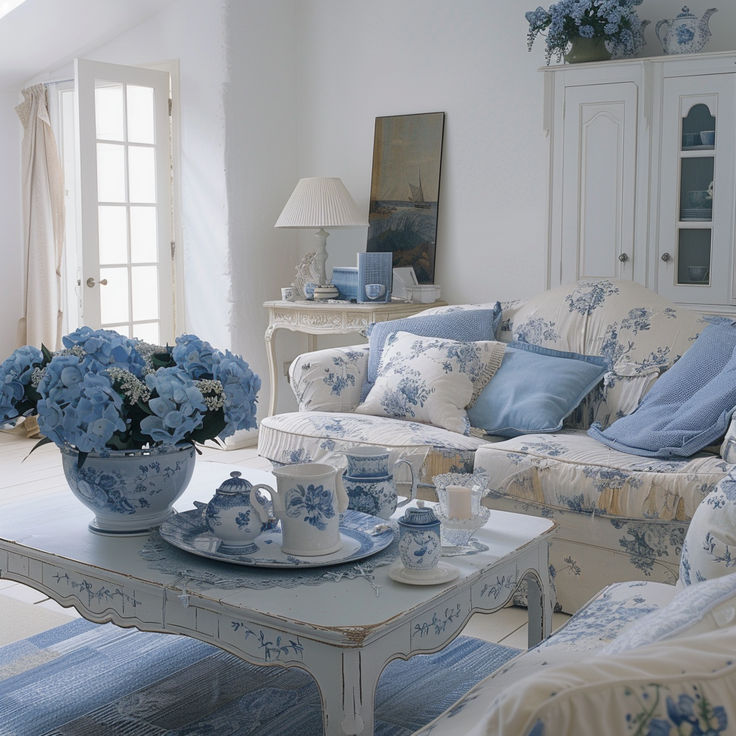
(693, 256)
(698, 129)
(148, 332)
(145, 292)
(113, 234)
(140, 114)
(110, 172)
(114, 296)
(143, 235)
(142, 172)
(109, 111)
(696, 188)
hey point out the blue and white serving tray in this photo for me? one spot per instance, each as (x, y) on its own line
(362, 535)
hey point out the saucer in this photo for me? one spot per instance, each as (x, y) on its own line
(367, 478)
(443, 573)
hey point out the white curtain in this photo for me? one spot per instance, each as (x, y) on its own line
(43, 223)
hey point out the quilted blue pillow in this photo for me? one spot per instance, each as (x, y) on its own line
(690, 405)
(465, 326)
(534, 390)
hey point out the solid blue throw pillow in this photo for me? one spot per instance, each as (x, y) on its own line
(534, 390)
(690, 405)
(465, 325)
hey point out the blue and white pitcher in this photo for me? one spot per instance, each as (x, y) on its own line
(308, 500)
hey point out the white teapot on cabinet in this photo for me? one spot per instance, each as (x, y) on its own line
(685, 34)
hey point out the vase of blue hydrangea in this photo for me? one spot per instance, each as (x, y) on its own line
(587, 30)
(126, 416)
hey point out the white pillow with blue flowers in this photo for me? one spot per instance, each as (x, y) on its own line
(431, 380)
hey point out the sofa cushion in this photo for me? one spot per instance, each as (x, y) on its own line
(534, 390)
(690, 405)
(571, 471)
(314, 436)
(430, 379)
(695, 609)
(465, 325)
(709, 550)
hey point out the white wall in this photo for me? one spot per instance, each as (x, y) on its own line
(467, 58)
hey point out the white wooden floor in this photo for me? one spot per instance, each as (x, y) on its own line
(24, 611)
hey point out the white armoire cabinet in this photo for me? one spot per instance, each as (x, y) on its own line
(642, 179)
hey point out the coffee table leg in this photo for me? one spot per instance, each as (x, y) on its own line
(539, 607)
(348, 686)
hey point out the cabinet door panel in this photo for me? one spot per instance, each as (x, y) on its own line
(697, 189)
(599, 181)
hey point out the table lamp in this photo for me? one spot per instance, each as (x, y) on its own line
(321, 202)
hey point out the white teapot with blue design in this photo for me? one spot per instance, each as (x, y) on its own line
(237, 514)
(685, 34)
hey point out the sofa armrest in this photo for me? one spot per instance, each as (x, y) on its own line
(329, 379)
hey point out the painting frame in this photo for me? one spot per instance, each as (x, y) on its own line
(405, 190)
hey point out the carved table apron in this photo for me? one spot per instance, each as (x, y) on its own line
(341, 624)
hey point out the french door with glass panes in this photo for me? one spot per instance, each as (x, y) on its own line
(125, 211)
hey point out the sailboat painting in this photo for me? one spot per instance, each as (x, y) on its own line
(405, 189)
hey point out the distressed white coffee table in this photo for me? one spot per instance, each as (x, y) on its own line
(341, 624)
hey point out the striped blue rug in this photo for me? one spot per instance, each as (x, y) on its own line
(83, 679)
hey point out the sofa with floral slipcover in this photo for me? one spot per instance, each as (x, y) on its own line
(641, 657)
(575, 356)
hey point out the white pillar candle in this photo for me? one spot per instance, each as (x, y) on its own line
(458, 502)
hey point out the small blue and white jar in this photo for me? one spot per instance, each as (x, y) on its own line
(419, 539)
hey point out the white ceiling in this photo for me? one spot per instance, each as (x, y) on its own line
(41, 35)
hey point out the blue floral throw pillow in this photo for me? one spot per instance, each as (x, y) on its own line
(690, 405)
(431, 380)
(466, 325)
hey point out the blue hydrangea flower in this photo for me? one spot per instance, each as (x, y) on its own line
(106, 347)
(177, 404)
(240, 386)
(79, 405)
(615, 21)
(15, 376)
(197, 357)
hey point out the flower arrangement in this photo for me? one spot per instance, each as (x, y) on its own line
(105, 391)
(615, 21)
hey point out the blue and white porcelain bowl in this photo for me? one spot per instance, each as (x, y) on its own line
(129, 491)
(419, 539)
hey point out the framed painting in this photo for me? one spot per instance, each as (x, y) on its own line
(405, 190)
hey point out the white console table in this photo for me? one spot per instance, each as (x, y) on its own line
(326, 318)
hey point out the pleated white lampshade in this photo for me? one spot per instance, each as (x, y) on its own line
(320, 201)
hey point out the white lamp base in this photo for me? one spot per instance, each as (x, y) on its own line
(323, 293)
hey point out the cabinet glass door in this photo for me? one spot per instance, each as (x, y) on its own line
(696, 196)
(697, 185)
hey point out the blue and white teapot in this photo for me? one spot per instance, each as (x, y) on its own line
(238, 513)
(685, 34)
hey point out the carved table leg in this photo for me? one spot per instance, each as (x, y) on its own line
(272, 369)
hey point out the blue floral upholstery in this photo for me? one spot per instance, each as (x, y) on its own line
(596, 625)
(620, 516)
(710, 545)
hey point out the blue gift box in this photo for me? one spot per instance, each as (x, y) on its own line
(345, 280)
